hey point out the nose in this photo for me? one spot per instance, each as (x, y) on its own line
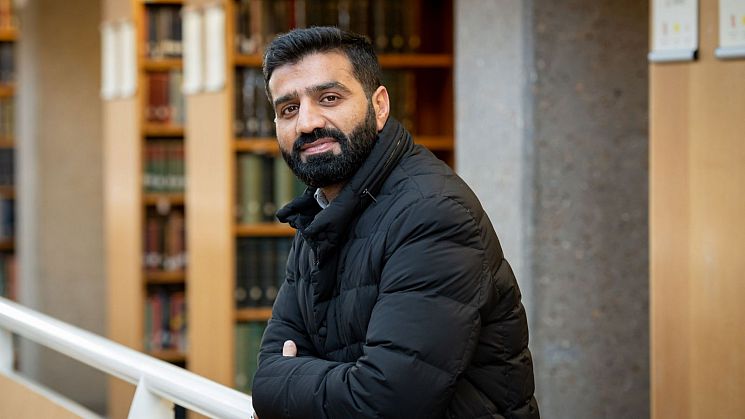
(309, 118)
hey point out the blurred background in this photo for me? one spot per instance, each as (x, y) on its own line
(145, 214)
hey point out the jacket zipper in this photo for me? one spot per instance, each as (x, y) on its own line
(383, 171)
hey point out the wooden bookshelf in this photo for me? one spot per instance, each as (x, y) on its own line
(432, 70)
(213, 152)
(173, 356)
(264, 230)
(7, 245)
(398, 61)
(257, 145)
(8, 233)
(162, 130)
(261, 314)
(8, 192)
(164, 199)
(7, 90)
(128, 131)
(243, 60)
(8, 34)
(165, 277)
(162, 64)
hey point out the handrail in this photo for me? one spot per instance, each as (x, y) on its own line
(152, 376)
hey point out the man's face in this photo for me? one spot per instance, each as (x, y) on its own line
(326, 125)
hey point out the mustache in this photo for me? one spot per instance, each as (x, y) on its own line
(316, 134)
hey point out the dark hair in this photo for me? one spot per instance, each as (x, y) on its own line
(291, 47)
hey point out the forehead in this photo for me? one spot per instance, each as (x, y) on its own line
(312, 70)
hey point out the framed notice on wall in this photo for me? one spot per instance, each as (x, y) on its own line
(674, 31)
(731, 29)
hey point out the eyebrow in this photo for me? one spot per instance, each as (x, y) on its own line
(312, 90)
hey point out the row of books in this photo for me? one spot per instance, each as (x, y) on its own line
(401, 86)
(7, 117)
(164, 34)
(394, 26)
(165, 319)
(165, 102)
(247, 343)
(7, 218)
(165, 240)
(254, 115)
(260, 270)
(7, 15)
(7, 167)
(7, 63)
(164, 166)
(8, 275)
(265, 184)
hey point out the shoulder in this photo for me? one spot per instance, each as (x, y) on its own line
(423, 181)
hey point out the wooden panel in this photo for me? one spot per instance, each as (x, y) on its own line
(117, 9)
(122, 224)
(697, 202)
(668, 219)
(21, 401)
(717, 229)
(209, 199)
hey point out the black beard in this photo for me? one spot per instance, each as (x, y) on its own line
(327, 169)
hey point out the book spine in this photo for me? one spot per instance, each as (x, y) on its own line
(250, 192)
(253, 262)
(242, 358)
(268, 204)
(267, 276)
(241, 280)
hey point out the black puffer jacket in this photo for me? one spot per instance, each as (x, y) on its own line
(399, 300)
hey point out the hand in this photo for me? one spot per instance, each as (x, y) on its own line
(289, 348)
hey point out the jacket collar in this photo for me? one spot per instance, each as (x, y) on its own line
(325, 229)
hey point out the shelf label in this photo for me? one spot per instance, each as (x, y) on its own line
(118, 60)
(214, 66)
(192, 33)
(674, 31)
(731, 29)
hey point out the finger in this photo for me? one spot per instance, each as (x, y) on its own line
(289, 349)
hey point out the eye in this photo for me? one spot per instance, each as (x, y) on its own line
(330, 98)
(288, 110)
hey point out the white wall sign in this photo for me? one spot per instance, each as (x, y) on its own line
(128, 51)
(675, 30)
(118, 60)
(214, 66)
(109, 77)
(731, 29)
(193, 60)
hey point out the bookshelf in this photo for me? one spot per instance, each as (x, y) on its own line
(145, 204)
(8, 158)
(223, 132)
(228, 146)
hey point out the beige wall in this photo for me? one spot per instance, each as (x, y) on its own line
(697, 233)
(60, 202)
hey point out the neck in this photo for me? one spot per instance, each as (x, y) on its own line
(332, 191)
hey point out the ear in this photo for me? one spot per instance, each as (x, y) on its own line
(381, 105)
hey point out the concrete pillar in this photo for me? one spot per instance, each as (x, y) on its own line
(551, 129)
(60, 189)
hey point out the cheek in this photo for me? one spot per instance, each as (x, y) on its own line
(286, 138)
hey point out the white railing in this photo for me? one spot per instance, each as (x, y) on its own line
(159, 384)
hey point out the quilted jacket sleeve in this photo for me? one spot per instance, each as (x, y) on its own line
(421, 336)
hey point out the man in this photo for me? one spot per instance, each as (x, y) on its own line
(397, 300)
